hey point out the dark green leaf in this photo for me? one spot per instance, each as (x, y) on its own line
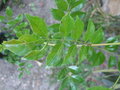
(112, 61)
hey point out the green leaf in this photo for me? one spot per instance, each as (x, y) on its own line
(74, 69)
(62, 4)
(77, 31)
(74, 3)
(112, 61)
(2, 18)
(77, 13)
(118, 64)
(57, 14)
(98, 59)
(112, 48)
(67, 25)
(83, 52)
(99, 88)
(9, 12)
(35, 54)
(55, 53)
(62, 74)
(64, 83)
(69, 58)
(21, 75)
(17, 47)
(77, 78)
(1, 48)
(38, 25)
(54, 27)
(98, 36)
(29, 38)
(90, 31)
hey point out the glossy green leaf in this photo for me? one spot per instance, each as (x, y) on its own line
(74, 69)
(77, 31)
(62, 4)
(112, 48)
(67, 25)
(90, 31)
(112, 61)
(69, 58)
(9, 12)
(38, 25)
(77, 78)
(99, 88)
(57, 14)
(98, 36)
(56, 51)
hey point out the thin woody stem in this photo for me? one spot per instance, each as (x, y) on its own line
(94, 45)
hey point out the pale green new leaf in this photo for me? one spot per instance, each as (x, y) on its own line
(38, 25)
(67, 25)
(62, 4)
(54, 54)
(57, 14)
(78, 29)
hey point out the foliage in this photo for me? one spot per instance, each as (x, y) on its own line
(11, 28)
(70, 45)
